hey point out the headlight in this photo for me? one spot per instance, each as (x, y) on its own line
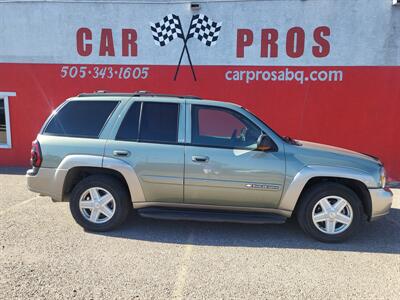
(382, 177)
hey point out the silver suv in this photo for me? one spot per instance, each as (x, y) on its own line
(183, 158)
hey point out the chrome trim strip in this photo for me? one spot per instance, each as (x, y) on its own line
(256, 186)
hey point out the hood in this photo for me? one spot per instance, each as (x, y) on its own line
(327, 149)
(313, 154)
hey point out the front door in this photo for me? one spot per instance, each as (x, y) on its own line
(149, 140)
(223, 168)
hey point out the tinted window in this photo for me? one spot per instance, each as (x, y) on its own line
(81, 118)
(159, 122)
(128, 131)
(214, 126)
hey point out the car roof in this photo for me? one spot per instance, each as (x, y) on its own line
(135, 94)
(148, 96)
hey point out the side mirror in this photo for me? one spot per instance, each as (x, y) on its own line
(264, 143)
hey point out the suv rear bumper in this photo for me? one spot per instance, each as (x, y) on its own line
(381, 200)
(43, 181)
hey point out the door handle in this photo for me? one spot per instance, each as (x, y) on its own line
(197, 158)
(121, 153)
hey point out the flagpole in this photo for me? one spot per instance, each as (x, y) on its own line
(185, 38)
(180, 59)
(190, 62)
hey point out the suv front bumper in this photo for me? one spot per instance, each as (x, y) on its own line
(381, 201)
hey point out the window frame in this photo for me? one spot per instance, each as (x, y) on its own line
(122, 119)
(52, 115)
(190, 119)
(5, 96)
(139, 138)
(180, 139)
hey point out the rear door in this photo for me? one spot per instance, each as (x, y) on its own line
(222, 167)
(150, 139)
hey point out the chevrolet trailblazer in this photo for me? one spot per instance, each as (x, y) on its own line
(183, 158)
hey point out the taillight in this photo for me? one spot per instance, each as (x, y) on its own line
(36, 154)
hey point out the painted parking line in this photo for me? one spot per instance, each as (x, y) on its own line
(17, 205)
(182, 273)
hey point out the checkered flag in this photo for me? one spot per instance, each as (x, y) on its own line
(168, 29)
(204, 29)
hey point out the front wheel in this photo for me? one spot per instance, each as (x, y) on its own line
(99, 203)
(330, 212)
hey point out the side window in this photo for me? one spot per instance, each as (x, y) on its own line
(129, 129)
(159, 122)
(80, 119)
(220, 127)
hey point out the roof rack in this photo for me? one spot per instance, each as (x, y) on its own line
(135, 94)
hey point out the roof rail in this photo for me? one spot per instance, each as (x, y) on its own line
(134, 94)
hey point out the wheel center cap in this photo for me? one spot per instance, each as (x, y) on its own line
(97, 205)
(332, 215)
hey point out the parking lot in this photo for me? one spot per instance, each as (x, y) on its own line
(45, 254)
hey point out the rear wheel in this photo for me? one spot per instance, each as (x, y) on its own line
(99, 203)
(330, 212)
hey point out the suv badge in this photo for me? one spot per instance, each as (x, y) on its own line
(263, 186)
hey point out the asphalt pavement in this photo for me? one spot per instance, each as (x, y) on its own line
(44, 254)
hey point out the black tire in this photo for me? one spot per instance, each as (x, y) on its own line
(316, 193)
(119, 192)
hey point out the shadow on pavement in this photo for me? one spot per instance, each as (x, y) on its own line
(13, 171)
(381, 236)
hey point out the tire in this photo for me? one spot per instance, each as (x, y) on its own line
(107, 193)
(313, 208)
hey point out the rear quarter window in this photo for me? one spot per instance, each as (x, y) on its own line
(80, 119)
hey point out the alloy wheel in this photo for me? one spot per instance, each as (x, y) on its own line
(332, 215)
(97, 205)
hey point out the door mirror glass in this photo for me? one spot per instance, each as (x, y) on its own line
(264, 143)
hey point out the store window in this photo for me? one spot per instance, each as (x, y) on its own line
(5, 131)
